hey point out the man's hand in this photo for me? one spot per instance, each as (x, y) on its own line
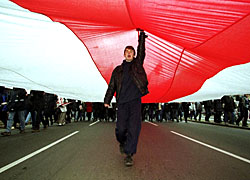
(106, 105)
(142, 33)
(138, 29)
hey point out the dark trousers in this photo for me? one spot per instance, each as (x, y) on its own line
(217, 116)
(33, 117)
(208, 114)
(48, 115)
(4, 117)
(128, 125)
(198, 113)
(228, 117)
(38, 120)
(243, 115)
(186, 114)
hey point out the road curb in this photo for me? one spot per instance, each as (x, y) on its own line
(221, 124)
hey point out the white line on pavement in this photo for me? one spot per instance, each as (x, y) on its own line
(151, 123)
(214, 148)
(35, 153)
(94, 123)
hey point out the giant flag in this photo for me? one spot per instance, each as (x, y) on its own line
(195, 50)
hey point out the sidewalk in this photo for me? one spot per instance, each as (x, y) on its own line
(211, 122)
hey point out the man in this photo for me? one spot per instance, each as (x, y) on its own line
(3, 106)
(15, 105)
(243, 110)
(37, 107)
(129, 81)
(208, 109)
(229, 106)
(217, 110)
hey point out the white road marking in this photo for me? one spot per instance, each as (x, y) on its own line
(151, 123)
(94, 123)
(35, 153)
(214, 148)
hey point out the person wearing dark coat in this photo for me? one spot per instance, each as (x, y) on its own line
(16, 105)
(243, 111)
(217, 110)
(174, 111)
(185, 106)
(229, 107)
(198, 106)
(37, 101)
(3, 106)
(129, 81)
(49, 107)
(208, 109)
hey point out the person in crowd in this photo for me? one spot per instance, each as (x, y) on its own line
(74, 110)
(3, 106)
(180, 111)
(15, 105)
(185, 106)
(101, 112)
(144, 111)
(69, 111)
(208, 109)
(62, 105)
(217, 110)
(96, 111)
(77, 114)
(198, 107)
(30, 113)
(162, 114)
(243, 110)
(174, 111)
(89, 109)
(229, 106)
(151, 111)
(49, 107)
(167, 111)
(37, 105)
(129, 81)
(192, 110)
(157, 112)
(83, 111)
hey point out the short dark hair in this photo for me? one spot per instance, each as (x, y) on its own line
(129, 47)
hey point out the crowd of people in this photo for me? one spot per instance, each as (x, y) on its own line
(228, 110)
(17, 107)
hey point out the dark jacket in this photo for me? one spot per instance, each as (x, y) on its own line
(37, 100)
(217, 105)
(136, 71)
(229, 104)
(17, 100)
(49, 103)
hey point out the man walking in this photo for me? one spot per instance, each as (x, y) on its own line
(129, 81)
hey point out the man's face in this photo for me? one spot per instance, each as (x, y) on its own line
(129, 54)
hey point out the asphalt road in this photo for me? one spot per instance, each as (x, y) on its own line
(92, 153)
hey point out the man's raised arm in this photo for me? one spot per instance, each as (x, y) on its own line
(141, 46)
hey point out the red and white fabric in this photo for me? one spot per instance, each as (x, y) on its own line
(196, 50)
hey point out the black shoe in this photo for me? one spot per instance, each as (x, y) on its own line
(35, 131)
(122, 148)
(22, 131)
(6, 133)
(128, 161)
